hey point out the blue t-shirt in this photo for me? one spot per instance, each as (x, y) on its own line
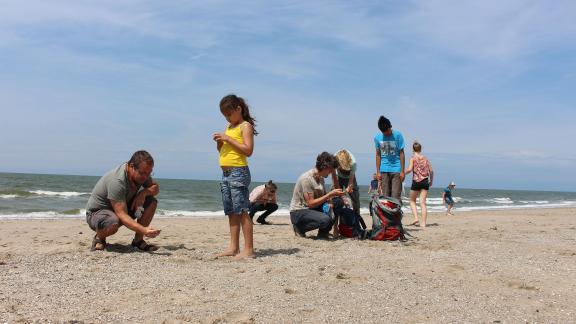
(448, 195)
(389, 147)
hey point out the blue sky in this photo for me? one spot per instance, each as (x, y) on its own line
(487, 87)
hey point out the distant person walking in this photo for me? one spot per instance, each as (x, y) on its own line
(235, 144)
(263, 198)
(389, 159)
(422, 178)
(447, 198)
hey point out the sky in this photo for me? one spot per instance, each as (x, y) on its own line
(487, 87)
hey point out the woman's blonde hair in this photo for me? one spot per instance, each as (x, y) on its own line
(344, 159)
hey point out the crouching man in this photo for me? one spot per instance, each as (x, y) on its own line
(125, 196)
(310, 194)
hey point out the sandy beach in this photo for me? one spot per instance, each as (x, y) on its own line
(490, 267)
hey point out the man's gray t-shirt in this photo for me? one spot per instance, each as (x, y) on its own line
(306, 183)
(114, 185)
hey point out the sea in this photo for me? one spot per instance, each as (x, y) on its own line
(41, 196)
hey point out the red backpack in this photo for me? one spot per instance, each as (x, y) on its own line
(386, 219)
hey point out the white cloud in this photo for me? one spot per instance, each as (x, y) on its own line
(493, 30)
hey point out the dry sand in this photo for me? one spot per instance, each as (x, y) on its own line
(490, 267)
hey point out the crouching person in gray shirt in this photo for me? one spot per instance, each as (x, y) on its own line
(309, 196)
(125, 196)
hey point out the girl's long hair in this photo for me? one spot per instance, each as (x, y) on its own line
(232, 101)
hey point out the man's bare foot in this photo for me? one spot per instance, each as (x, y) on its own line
(228, 253)
(245, 255)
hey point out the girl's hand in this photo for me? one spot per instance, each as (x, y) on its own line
(219, 137)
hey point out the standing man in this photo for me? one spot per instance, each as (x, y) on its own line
(125, 196)
(389, 159)
(263, 198)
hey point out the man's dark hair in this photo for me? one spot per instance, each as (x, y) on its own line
(384, 124)
(326, 160)
(141, 156)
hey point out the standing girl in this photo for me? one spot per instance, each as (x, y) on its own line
(234, 145)
(421, 181)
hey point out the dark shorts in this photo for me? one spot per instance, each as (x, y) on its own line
(422, 185)
(103, 218)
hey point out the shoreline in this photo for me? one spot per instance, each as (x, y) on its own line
(406, 209)
(488, 266)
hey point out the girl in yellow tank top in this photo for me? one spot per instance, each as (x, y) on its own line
(229, 156)
(235, 144)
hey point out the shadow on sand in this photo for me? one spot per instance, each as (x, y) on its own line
(271, 252)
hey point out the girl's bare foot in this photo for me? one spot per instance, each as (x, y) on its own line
(422, 225)
(245, 255)
(229, 252)
(414, 222)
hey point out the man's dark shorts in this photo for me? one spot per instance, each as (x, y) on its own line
(104, 218)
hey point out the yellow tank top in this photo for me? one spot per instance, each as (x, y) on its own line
(228, 155)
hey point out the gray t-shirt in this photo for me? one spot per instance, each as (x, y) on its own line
(114, 185)
(306, 183)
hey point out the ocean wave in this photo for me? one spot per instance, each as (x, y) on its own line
(80, 213)
(59, 193)
(537, 202)
(45, 215)
(440, 201)
(205, 213)
(504, 200)
(11, 194)
(560, 204)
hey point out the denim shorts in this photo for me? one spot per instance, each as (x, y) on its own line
(234, 188)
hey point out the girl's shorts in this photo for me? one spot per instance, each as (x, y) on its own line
(422, 185)
(234, 188)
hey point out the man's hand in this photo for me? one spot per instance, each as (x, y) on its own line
(349, 189)
(151, 232)
(335, 193)
(402, 176)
